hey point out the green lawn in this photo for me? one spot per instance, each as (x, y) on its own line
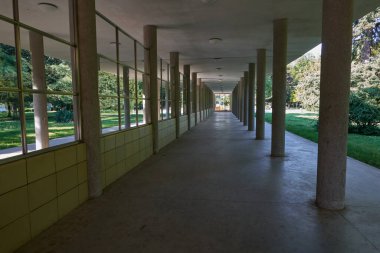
(361, 147)
(10, 129)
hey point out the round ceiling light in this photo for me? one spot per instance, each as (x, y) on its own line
(208, 1)
(47, 7)
(214, 40)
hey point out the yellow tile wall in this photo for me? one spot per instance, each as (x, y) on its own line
(38, 190)
(124, 150)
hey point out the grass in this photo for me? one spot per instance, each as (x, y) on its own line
(10, 130)
(361, 147)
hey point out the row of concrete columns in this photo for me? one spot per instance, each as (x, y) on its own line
(200, 103)
(334, 86)
(335, 80)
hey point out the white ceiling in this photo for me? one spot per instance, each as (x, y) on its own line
(186, 26)
(244, 25)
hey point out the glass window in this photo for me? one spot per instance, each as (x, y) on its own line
(48, 97)
(108, 95)
(10, 125)
(47, 16)
(8, 70)
(133, 105)
(140, 51)
(46, 114)
(126, 50)
(141, 89)
(106, 39)
(181, 104)
(7, 8)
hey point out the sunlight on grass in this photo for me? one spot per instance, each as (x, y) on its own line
(361, 147)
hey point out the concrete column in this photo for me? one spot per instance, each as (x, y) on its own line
(245, 105)
(251, 97)
(150, 63)
(194, 98)
(260, 100)
(89, 99)
(127, 109)
(333, 111)
(39, 100)
(199, 83)
(167, 85)
(174, 78)
(279, 87)
(241, 99)
(186, 79)
(201, 101)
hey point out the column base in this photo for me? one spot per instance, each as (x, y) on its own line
(277, 155)
(330, 205)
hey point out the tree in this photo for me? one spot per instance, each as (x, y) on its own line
(366, 36)
(303, 82)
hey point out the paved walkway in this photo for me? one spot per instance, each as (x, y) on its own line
(217, 190)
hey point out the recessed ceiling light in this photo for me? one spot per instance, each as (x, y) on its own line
(47, 7)
(208, 1)
(214, 40)
(220, 80)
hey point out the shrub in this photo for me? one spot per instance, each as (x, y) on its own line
(364, 113)
(64, 116)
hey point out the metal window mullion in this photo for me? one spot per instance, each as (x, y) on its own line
(136, 94)
(75, 70)
(19, 78)
(118, 76)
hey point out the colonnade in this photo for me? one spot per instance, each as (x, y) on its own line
(335, 87)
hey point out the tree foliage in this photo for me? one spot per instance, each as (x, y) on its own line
(366, 36)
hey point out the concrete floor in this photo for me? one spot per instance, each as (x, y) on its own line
(217, 190)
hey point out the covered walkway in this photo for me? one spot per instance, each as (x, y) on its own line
(216, 189)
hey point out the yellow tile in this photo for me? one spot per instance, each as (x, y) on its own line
(81, 152)
(103, 166)
(102, 145)
(13, 205)
(111, 175)
(67, 202)
(141, 132)
(40, 166)
(120, 168)
(67, 179)
(65, 158)
(42, 191)
(123, 168)
(82, 172)
(83, 192)
(119, 139)
(120, 153)
(128, 150)
(12, 175)
(109, 159)
(135, 134)
(43, 217)
(15, 235)
(128, 136)
(103, 178)
(109, 142)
